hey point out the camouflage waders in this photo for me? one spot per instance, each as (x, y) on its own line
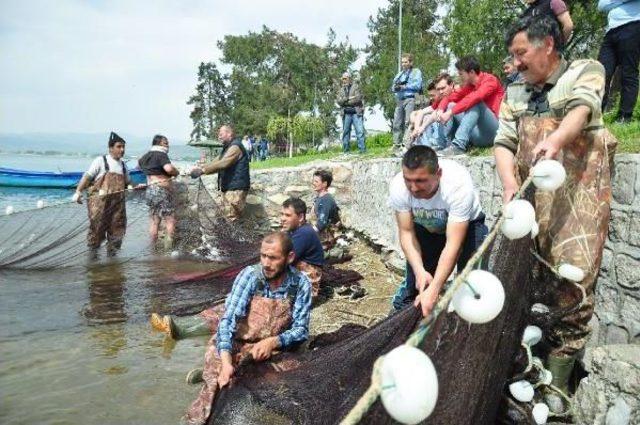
(266, 317)
(573, 222)
(107, 213)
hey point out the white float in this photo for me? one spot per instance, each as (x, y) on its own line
(535, 229)
(548, 175)
(522, 391)
(571, 272)
(409, 384)
(532, 335)
(175, 254)
(546, 377)
(130, 187)
(102, 192)
(540, 308)
(8, 210)
(40, 203)
(540, 413)
(519, 219)
(484, 306)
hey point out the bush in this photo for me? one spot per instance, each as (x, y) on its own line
(380, 140)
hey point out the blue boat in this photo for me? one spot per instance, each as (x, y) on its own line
(50, 179)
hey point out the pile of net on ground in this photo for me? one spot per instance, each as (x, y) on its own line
(321, 386)
(56, 235)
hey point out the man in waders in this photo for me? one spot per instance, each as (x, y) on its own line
(267, 310)
(232, 167)
(106, 179)
(555, 113)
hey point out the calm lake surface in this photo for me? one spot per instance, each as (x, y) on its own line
(76, 346)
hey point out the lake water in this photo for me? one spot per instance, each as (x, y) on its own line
(75, 343)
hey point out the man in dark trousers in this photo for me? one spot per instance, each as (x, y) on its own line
(232, 167)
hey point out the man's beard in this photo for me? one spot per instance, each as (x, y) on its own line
(275, 276)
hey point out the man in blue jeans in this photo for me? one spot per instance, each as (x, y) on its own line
(470, 114)
(349, 99)
(440, 223)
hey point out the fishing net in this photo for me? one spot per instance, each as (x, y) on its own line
(322, 385)
(56, 236)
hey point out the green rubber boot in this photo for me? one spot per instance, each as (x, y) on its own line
(561, 368)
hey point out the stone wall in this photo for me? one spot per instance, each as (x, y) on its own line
(360, 188)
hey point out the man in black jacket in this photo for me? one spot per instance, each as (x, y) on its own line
(232, 167)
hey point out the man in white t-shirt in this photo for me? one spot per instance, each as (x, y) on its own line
(106, 180)
(440, 223)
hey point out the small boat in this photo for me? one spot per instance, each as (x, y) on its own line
(51, 179)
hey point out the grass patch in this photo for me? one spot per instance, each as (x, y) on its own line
(278, 162)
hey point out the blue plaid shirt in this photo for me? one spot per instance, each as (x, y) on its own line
(245, 287)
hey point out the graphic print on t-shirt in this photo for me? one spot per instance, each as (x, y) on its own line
(434, 220)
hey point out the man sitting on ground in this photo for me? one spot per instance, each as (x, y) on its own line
(440, 222)
(309, 254)
(431, 132)
(471, 113)
(325, 209)
(308, 258)
(267, 310)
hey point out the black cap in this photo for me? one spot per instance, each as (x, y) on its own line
(114, 138)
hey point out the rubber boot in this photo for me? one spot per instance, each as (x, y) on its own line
(163, 324)
(194, 376)
(560, 368)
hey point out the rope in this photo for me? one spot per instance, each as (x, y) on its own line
(371, 394)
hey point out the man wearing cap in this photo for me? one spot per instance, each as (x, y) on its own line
(106, 179)
(349, 99)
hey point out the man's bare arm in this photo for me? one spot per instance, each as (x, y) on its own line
(506, 166)
(230, 157)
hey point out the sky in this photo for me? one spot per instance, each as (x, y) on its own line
(95, 66)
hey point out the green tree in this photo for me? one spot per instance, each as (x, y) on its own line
(478, 27)
(210, 106)
(419, 37)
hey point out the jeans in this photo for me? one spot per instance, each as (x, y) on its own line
(476, 126)
(431, 246)
(434, 136)
(621, 48)
(404, 108)
(358, 123)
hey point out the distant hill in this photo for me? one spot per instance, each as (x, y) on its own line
(84, 144)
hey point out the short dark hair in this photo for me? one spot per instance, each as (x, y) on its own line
(537, 29)
(157, 139)
(325, 176)
(285, 241)
(431, 86)
(468, 64)
(443, 76)
(408, 56)
(421, 156)
(297, 204)
(114, 138)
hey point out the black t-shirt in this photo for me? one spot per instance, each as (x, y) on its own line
(307, 245)
(152, 163)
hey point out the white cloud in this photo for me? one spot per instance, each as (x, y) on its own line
(130, 66)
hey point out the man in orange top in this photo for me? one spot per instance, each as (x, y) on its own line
(470, 114)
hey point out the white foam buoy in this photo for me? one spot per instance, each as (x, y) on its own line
(522, 391)
(175, 254)
(546, 377)
(102, 192)
(40, 203)
(519, 219)
(571, 272)
(532, 335)
(409, 384)
(483, 305)
(130, 187)
(548, 175)
(535, 229)
(540, 413)
(8, 210)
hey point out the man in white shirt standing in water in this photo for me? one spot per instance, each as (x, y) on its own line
(440, 223)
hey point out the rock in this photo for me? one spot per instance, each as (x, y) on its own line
(634, 228)
(616, 335)
(278, 198)
(341, 174)
(623, 182)
(628, 271)
(297, 191)
(619, 413)
(253, 199)
(611, 391)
